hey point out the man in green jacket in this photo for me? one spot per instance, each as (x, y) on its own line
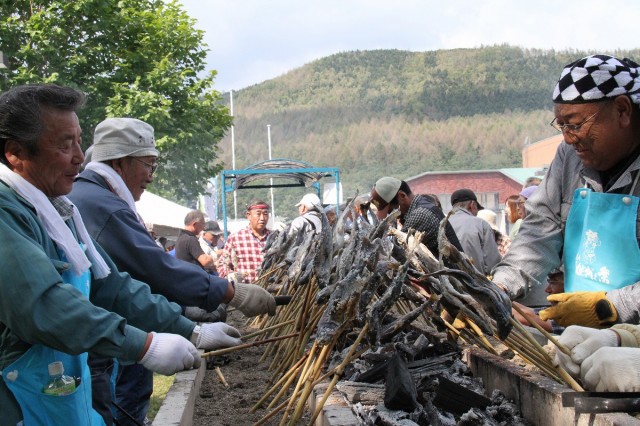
(61, 296)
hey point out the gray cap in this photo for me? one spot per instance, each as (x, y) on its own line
(212, 227)
(387, 188)
(123, 137)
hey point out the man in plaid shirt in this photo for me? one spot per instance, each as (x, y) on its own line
(242, 252)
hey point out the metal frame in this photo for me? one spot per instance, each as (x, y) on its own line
(229, 179)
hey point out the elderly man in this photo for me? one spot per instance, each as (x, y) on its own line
(586, 209)
(309, 215)
(416, 211)
(188, 246)
(63, 296)
(123, 160)
(475, 234)
(242, 252)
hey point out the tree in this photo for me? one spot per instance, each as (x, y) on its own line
(134, 58)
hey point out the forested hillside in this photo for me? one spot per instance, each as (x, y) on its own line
(399, 113)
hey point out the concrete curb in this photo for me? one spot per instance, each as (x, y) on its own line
(177, 407)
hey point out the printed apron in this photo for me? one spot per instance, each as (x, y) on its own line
(27, 376)
(600, 244)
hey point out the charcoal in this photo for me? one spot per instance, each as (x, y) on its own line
(400, 391)
(456, 398)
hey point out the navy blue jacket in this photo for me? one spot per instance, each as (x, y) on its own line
(116, 228)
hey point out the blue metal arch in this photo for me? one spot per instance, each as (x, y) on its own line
(300, 172)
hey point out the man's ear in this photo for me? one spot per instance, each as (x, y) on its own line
(624, 109)
(16, 154)
(116, 164)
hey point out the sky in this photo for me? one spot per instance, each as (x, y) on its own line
(251, 41)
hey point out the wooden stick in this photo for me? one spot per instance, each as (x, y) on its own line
(339, 372)
(546, 334)
(221, 377)
(246, 345)
(264, 330)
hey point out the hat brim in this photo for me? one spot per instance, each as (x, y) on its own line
(112, 152)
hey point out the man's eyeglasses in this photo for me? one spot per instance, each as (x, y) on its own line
(572, 129)
(152, 167)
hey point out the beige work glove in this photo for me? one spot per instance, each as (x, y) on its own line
(612, 370)
(170, 353)
(582, 342)
(216, 335)
(252, 300)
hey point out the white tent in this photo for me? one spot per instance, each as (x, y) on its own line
(156, 210)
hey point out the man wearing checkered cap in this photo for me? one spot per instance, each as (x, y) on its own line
(585, 213)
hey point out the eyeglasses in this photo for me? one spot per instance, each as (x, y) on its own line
(152, 167)
(572, 129)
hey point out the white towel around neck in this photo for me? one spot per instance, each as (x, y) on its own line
(57, 228)
(115, 182)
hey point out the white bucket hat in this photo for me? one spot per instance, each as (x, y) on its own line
(123, 137)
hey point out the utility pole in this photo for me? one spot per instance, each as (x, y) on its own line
(233, 160)
(273, 206)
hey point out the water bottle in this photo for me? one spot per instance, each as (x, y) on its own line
(59, 384)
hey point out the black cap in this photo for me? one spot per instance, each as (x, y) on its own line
(212, 227)
(465, 194)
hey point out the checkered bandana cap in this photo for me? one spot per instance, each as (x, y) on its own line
(596, 78)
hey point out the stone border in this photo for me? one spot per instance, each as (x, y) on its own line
(177, 407)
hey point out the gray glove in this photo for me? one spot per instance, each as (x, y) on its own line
(200, 315)
(215, 336)
(252, 300)
(170, 353)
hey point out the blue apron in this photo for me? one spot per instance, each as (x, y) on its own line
(27, 376)
(600, 244)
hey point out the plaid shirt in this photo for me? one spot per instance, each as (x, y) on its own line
(242, 253)
(424, 216)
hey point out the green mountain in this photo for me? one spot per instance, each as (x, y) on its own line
(398, 113)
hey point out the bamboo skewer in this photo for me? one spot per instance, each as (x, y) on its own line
(339, 372)
(546, 334)
(264, 330)
(221, 377)
(246, 345)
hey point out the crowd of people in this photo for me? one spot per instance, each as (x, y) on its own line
(80, 254)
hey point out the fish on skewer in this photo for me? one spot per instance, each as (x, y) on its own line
(490, 296)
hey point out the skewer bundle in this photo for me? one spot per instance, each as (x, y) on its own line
(342, 290)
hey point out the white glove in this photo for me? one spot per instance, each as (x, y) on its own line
(582, 342)
(170, 353)
(612, 370)
(252, 300)
(217, 335)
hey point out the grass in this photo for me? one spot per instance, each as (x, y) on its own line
(161, 385)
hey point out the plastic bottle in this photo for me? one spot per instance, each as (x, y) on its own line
(59, 384)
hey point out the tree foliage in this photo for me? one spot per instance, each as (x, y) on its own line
(134, 58)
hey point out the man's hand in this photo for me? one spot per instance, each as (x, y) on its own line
(582, 342)
(170, 353)
(217, 335)
(200, 315)
(252, 300)
(587, 308)
(612, 370)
